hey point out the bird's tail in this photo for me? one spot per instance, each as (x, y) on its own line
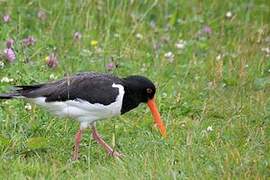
(20, 92)
(9, 95)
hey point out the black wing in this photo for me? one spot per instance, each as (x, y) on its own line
(92, 87)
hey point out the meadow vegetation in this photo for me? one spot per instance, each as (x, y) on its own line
(210, 61)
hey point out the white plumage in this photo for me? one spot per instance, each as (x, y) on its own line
(82, 110)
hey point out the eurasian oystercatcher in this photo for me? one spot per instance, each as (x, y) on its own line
(88, 97)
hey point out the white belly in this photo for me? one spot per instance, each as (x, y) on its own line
(82, 110)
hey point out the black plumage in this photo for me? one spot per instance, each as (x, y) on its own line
(91, 87)
(88, 97)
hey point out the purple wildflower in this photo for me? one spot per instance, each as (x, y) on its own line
(29, 41)
(110, 66)
(42, 15)
(10, 55)
(207, 30)
(10, 43)
(77, 36)
(6, 18)
(52, 61)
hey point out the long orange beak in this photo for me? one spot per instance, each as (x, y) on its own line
(153, 107)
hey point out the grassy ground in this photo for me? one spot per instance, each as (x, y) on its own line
(213, 88)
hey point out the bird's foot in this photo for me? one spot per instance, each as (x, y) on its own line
(76, 147)
(116, 154)
(75, 157)
(75, 154)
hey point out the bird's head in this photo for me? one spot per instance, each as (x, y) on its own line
(145, 91)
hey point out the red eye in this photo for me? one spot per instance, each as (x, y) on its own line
(149, 90)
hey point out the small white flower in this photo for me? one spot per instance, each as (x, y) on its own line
(246, 66)
(52, 77)
(229, 14)
(28, 107)
(6, 80)
(2, 65)
(77, 36)
(139, 36)
(180, 44)
(219, 57)
(170, 56)
(266, 50)
(209, 129)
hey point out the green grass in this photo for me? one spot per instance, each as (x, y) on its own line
(195, 91)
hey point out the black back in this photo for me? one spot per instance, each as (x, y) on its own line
(92, 87)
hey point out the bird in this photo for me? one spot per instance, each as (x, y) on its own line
(89, 97)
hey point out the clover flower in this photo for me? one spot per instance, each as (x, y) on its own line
(6, 18)
(169, 56)
(77, 36)
(52, 77)
(10, 55)
(266, 50)
(110, 66)
(10, 43)
(29, 41)
(28, 107)
(181, 44)
(207, 30)
(52, 61)
(42, 15)
(209, 129)
(229, 15)
(6, 80)
(139, 36)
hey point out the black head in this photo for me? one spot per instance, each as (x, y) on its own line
(141, 86)
(138, 89)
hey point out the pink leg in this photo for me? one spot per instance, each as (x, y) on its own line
(77, 145)
(99, 140)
